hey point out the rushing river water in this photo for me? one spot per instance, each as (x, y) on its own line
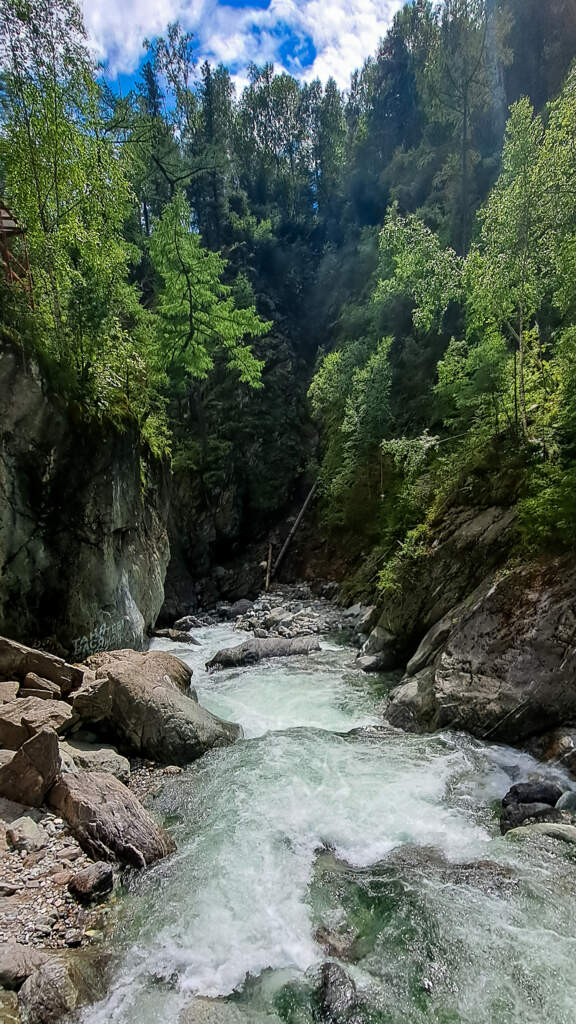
(315, 821)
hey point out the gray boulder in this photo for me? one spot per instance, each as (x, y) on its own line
(567, 833)
(108, 821)
(505, 667)
(253, 651)
(187, 623)
(372, 662)
(63, 984)
(26, 834)
(91, 757)
(141, 700)
(32, 770)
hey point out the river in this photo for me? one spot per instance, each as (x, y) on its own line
(317, 820)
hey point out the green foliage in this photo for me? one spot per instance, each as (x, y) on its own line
(197, 255)
(196, 311)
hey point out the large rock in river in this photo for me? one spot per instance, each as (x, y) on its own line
(107, 819)
(63, 984)
(502, 665)
(145, 702)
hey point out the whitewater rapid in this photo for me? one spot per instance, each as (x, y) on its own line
(236, 911)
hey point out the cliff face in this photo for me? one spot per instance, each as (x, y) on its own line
(83, 512)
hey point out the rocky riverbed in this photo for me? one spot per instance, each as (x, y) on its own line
(88, 752)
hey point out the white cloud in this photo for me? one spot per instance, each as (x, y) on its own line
(344, 32)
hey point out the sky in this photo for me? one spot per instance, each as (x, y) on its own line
(308, 38)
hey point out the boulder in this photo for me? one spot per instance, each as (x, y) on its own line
(533, 792)
(178, 636)
(187, 623)
(567, 833)
(139, 700)
(108, 821)
(32, 681)
(380, 641)
(32, 770)
(157, 667)
(21, 719)
(337, 996)
(63, 984)
(372, 662)
(17, 661)
(517, 814)
(505, 667)
(92, 883)
(18, 962)
(8, 692)
(567, 801)
(232, 611)
(26, 834)
(367, 619)
(91, 757)
(253, 651)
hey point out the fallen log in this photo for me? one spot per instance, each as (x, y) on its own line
(255, 650)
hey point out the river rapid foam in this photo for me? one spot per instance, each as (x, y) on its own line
(319, 822)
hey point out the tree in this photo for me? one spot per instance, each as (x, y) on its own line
(197, 313)
(504, 277)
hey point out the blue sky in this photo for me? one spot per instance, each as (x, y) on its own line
(308, 38)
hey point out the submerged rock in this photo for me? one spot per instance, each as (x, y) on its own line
(108, 821)
(255, 650)
(337, 995)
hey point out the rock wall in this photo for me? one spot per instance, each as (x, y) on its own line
(83, 513)
(502, 664)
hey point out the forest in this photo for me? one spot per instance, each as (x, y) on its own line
(372, 286)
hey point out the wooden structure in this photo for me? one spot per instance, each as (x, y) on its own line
(16, 269)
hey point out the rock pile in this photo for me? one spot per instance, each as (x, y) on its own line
(289, 612)
(68, 820)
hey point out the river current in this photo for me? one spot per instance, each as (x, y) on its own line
(319, 827)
